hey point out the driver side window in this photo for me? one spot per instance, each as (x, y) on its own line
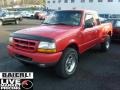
(89, 21)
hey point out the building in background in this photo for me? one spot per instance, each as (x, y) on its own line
(105, 7)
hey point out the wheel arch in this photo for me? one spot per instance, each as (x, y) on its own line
(73, 45)
(110, 33)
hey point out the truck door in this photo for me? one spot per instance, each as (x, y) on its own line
(97, 28)
(11, 16)
(8, 17)
(88, 32)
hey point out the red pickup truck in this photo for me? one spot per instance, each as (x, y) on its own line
(60, 39)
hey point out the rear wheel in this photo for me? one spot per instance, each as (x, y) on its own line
(68, 63)
(105, 46)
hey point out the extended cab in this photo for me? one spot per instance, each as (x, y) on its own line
(60, 39)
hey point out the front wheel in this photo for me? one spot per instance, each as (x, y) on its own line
(68, 63)
(105, 46)
(17, 21)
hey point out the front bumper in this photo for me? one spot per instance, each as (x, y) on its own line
(38, 58)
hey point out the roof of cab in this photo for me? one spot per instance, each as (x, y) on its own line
(82, 10)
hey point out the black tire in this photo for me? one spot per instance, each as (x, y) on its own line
(105, 46)
(17, 21)
(66, 63)
(1, 22)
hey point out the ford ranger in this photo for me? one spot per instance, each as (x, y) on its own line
(60, 39)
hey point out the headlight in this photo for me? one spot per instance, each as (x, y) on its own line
(10, 40)
(47, 47)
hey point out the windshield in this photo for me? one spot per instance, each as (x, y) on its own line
(64, 18)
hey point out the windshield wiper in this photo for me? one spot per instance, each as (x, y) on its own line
(61, 24)
(47, 23)
(56, 23)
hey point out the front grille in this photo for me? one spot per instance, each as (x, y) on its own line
(26, 45)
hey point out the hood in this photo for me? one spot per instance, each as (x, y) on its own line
(52, 31)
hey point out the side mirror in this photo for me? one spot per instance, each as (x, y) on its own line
(88, 25)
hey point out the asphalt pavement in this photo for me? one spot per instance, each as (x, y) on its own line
(96, 70)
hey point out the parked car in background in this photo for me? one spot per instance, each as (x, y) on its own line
(41, 15)
(10, 17)
(3, 10)
(116, 29)
(36, 15)
(27, 14)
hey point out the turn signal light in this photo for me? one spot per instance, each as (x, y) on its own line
(47, 50)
